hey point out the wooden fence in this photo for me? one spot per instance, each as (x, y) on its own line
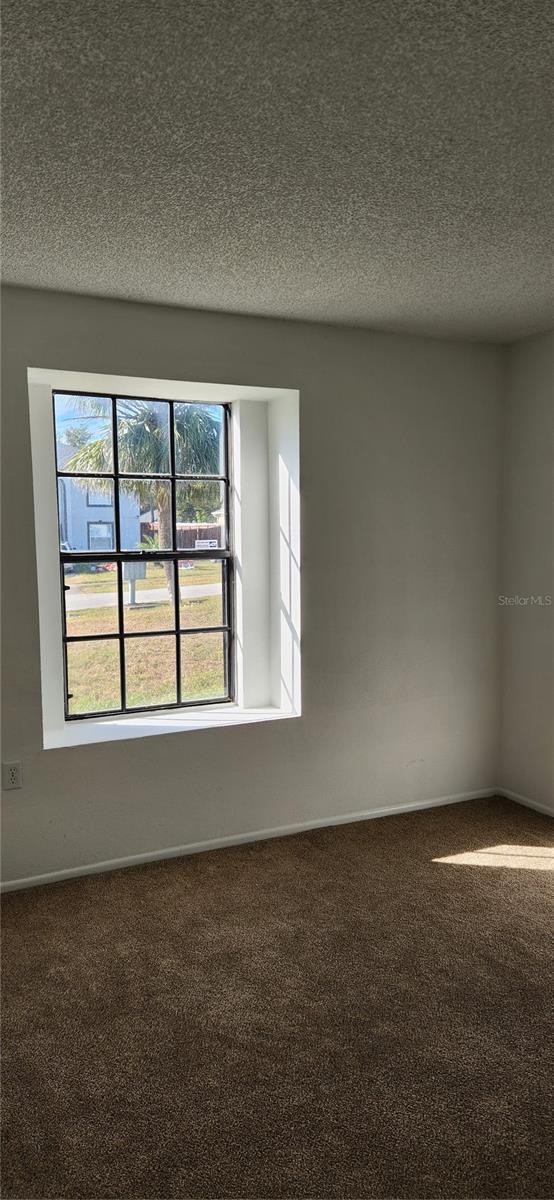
(188, 534)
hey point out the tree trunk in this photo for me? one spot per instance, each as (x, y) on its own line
(164, 537)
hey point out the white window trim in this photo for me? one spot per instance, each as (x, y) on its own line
(266, 523)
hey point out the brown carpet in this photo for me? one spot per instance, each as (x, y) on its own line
(328, 1015)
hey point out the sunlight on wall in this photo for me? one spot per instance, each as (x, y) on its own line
(266, 504)
(522, 858)
(289, 561)
(238, 589)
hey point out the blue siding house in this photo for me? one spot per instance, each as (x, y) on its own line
(86, 515)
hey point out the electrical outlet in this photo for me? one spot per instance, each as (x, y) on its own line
(11, 776)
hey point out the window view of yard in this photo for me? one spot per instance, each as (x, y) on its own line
(91, 608)
(91, 602)
(93, 671)
(93, 676)
(150, 476)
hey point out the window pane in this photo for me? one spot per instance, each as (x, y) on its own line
(145, 514)
(202, 666)
(83, 433)
(91, 602)
(143, 437)
(85, 524)
(150, 669)
(93, 677)
(201, 592)
(148, 596)
(200, 515)
(199, 439)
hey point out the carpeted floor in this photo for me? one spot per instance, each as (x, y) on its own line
(330, 1015)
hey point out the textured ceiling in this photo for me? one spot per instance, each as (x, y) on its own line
(386, 164)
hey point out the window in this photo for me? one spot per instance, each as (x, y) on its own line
(96, 499)
(185, 579)
(100, 535)
(146, 587)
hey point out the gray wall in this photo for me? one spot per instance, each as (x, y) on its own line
(400, 615)
(527, 716)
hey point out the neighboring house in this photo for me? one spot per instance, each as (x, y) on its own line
(87, 515)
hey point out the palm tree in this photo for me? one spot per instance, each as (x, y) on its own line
(143, 448)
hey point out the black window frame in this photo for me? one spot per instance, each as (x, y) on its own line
(175, 555)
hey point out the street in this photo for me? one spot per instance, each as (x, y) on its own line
(75, 599)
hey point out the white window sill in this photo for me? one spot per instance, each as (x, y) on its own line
(118, 728)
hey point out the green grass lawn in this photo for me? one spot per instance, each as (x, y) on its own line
(93, 671)
(104, 581)
(93, 667)
(195, 613)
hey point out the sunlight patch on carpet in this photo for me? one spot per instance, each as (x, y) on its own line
(522, 858)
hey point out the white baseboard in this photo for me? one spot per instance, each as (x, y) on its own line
(509, 795)
(237, 839)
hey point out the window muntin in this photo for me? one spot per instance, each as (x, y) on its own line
(83, 583)
(202, 664)
(201, 514)
(74, 511)
(93, 677)
(80, 423)
(202, 593)
(146, 606)
(143, 437)
(195, 424)
(149, 500)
